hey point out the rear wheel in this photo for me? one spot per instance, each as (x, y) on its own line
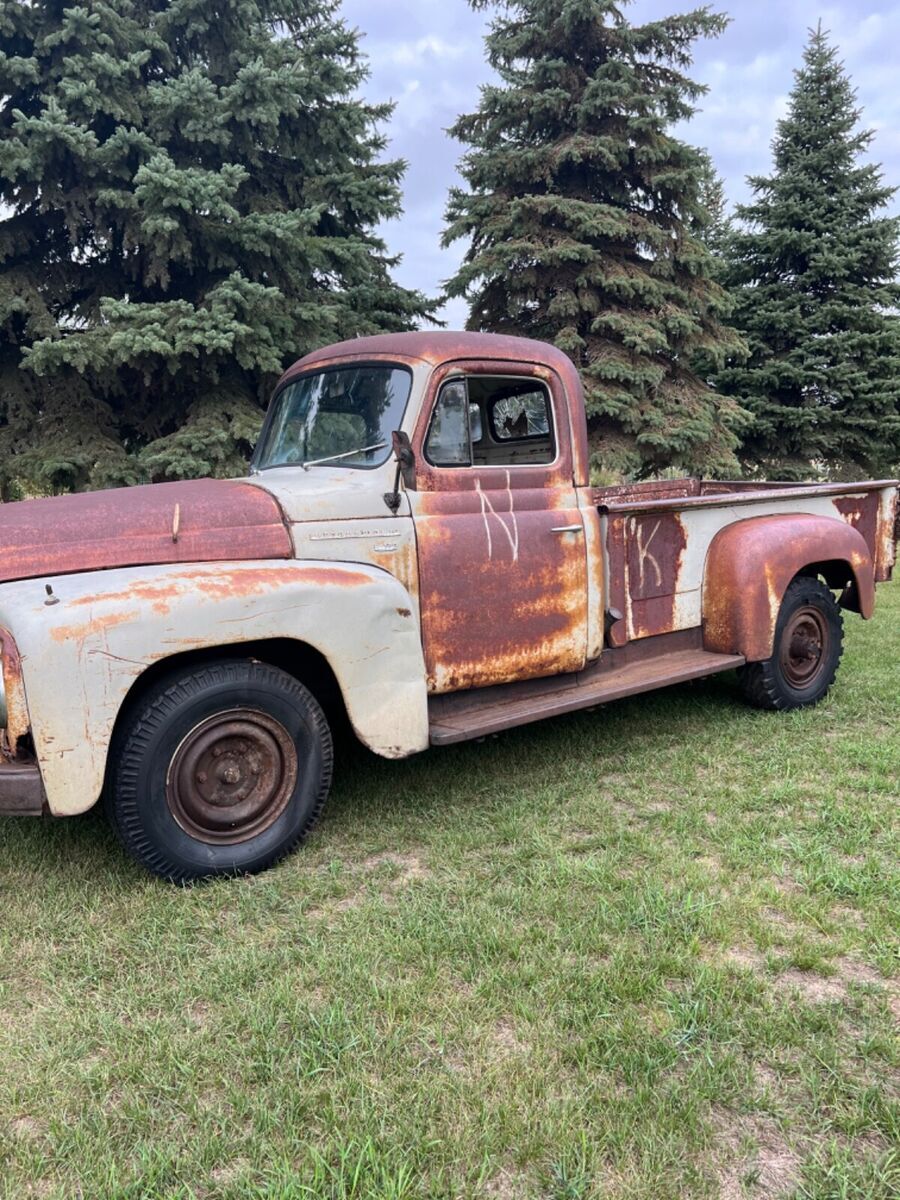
(807, 651)
(220, 770)
(809, 640)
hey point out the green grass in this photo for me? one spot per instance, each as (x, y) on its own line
(646, 952)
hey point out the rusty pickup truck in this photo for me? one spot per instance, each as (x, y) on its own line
(418, 548)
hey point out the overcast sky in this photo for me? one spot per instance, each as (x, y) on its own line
(428, 56)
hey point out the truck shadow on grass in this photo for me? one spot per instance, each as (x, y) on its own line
(372, 794)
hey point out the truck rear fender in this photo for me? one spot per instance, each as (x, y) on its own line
(750, 563)
(89, 650)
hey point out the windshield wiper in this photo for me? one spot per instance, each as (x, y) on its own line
(314, 462)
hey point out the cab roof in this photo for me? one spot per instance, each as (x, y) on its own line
(440, 346)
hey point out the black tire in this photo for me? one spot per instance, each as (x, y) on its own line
(809, 637)
(219, 769)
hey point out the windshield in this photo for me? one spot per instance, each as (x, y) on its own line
(344, 416)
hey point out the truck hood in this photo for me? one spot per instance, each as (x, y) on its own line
(204, 520)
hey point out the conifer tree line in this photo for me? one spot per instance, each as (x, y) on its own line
(191, 196)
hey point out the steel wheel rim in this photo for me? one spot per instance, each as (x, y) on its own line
(804, 644)
(232, 776)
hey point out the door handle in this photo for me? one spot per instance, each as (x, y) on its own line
(567, 529)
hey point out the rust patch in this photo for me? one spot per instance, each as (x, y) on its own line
(17, 723)
(750, 564)
(77, 633)
(655, 546)
(404, 612)
(504, 597)
(223, 584)
(217, 520)
(862, 513)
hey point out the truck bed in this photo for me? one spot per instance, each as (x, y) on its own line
(658, 533)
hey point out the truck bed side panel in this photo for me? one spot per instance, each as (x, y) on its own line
(657, 547)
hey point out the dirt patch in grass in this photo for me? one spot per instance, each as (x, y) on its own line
(746, 957)
(819, 989)
(37, 1189)
(26, 1128)
(407, 868)
(774, 916)
(507, 1185)
(851, 970)
(228, 1173)
(813, 987)
(754, 1159)
(410, 867)
(506, 1040)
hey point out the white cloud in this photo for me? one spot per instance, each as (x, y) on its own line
(428, 55)
(414, 54)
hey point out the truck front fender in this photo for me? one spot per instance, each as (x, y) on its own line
(750, 563)
(84, 646)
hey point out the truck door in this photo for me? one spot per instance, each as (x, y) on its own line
(501, 543)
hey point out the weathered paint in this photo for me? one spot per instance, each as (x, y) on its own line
(679, 552)
(107, 629)
(596, 574)
(503, 593)
(198, 521)
(750, 564)
(17, 718)
(388, 543)
(861, 511)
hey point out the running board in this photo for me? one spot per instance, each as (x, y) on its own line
(459, 716)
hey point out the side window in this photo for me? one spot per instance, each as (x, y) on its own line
(490, 421)
(447, 444)
(517, 422)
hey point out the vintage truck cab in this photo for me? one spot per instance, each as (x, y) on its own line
(418, 542)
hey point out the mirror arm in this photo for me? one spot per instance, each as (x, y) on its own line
(406, 464)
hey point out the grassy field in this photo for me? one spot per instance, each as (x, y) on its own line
(646, 952)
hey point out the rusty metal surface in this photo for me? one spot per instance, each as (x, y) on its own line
(232, 776)
(874, 515)
(655, 546)
(642, 666)
(108, 628)
(804, 647)
(21, 790)
(657, 554)
(503, 594)
(750, 564)
(730, 494)
(17, 723)
(862, 513)
(197, 521)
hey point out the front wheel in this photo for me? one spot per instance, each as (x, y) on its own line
(221, 769)
(809, 638)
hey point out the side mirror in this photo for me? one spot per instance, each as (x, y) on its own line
(406, 459)
(406, 467)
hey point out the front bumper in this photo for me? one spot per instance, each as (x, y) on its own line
(21, 790)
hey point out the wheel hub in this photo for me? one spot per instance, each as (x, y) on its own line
(232, 776)
(803, 643)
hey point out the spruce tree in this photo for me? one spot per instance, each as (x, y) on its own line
(582, 213)
(813, 268)
(189, 195)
